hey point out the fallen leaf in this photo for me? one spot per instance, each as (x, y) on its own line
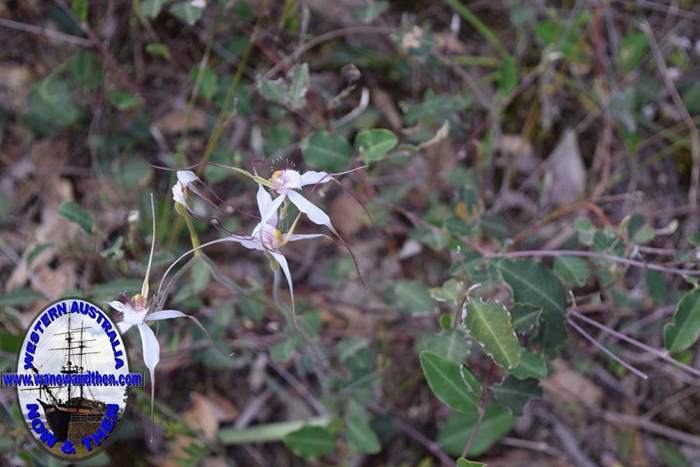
(176, 120)
(566, 172)
(567, 385)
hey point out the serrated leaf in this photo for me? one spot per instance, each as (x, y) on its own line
(74, 213)
(447, 383)
(375, 144)
(534, 284)
(489, 324)
(515, 393)
(458, 428)
(310, 441)
(531, 365)
(327, 151)
(683, 331)
(574, 271)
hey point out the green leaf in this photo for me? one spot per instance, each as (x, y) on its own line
(296, 95)
(282, 351)
(515, 393)
(151, 8)
(413, 297)
(80, 8)
(10, 343)
(51, 106)
(360, 434)
(574, 271)
(534, 284)
(451, 292)
(124, 100)
(450, 344)
(684, 330)
(671, 455)
(447, 383)
(310, 441)
(508, 76)
(458, 428)
(489, 324)
(462, 462)
(632, 49)
(22, 296)
(186, 13)
(74, 213)
(375, 144)
(327, 151)
(531, 365)
(525, 317)
(158, 49)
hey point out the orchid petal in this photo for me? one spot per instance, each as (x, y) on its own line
(186, 177)
(314, 178)
(151, 356)
(179, 194)
(296, 237)
(165, 314)
(270, 214)
(120, 307)
(264, 203)
(314, 213)
(123, 326)
(282, 261)
(251, 244)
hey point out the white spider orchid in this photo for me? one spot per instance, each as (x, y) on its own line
(266, 237)
(288, 184)
(136, 312)
(185, 179)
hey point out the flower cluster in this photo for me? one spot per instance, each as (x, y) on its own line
(266, 236)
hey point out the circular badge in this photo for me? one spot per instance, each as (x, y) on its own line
(72, 379)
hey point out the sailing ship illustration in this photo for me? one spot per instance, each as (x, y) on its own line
(70, 411)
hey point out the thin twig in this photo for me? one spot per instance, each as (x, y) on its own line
(607, 352)
(46, 32)
(661, 354)
(653, 427)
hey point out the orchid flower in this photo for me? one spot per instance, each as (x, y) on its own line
(185, 179)
(136, 311)
(288, 184)
(266, 237)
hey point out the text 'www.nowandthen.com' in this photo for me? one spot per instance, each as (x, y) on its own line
(89, 378)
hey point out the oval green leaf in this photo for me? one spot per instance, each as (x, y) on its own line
(446, 381)
(326, 151)
(489, 324)
(684, 330)
(375, 144)
(310, 441)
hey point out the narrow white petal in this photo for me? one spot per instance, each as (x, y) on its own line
(247, 242)
(165, 314)
(314, 178)
(315, 214)
(178, 194)
(295, 237)
(151, 357)
(270, 214)
(264, 200)
(123, 326)
(151, 347)
(282, 261)
(121, 307)
(186, 177)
